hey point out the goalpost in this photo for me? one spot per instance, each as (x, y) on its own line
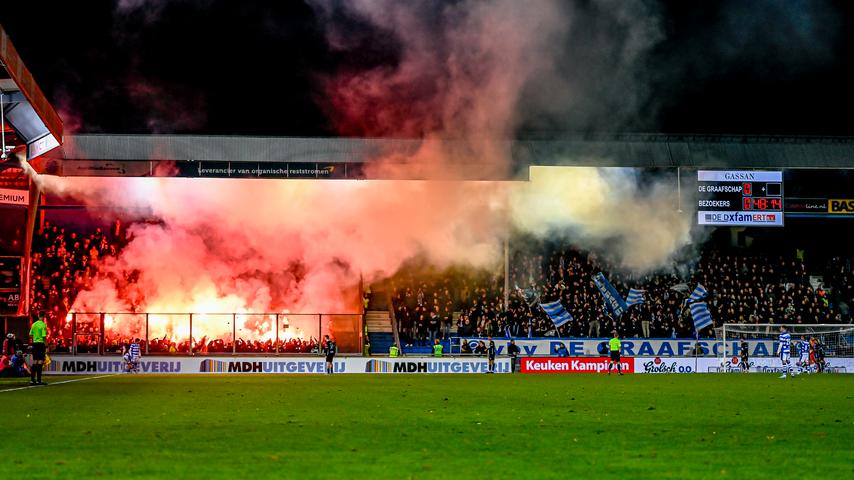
(834, 341)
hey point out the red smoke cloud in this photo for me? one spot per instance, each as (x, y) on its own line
(278, 246)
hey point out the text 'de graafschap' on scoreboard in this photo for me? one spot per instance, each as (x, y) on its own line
(740, 198)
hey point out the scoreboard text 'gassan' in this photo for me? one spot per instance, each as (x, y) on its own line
(740, 198)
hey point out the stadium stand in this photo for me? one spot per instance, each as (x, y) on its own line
(66, 262)
(745, 286)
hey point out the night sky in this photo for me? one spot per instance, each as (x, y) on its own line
(252, 68)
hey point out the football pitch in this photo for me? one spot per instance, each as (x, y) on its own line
(429, 426)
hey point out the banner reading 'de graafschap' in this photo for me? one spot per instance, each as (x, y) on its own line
(572, 365)
(631, 347)
(92, 364)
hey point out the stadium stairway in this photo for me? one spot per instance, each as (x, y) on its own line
(379, 331)
(427, 349)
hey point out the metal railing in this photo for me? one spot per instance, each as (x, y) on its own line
(104, 333)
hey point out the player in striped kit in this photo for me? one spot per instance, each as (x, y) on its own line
(804, 356)
(784, 350)
(132, 357)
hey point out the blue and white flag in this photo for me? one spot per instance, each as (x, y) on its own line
(634, 297)
(557, 313)
(699, 293)
(701, 314)
(613, 301)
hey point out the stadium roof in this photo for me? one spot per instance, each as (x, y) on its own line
(31, 123)
(138, 155)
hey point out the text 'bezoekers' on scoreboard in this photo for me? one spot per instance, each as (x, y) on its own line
(740, 198)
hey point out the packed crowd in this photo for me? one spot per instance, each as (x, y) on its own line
(424, 308)
(113, 343)
(65, 263)
(743, 286)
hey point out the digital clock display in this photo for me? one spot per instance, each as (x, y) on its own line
(762, 203)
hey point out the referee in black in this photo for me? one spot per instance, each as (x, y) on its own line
(490, 354)
(330, 349)
(513, 351)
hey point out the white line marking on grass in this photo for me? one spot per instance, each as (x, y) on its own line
(55, 383)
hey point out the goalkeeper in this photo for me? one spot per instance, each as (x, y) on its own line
(745, 355)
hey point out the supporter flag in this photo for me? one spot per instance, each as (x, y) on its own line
(557, 313)
(699, 293)
(529, 295)
(634, 297)
(702, 316)
(613, 301)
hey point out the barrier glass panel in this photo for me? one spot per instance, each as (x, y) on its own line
(60, 332)
(168, 333)
(345, 329)
(88, 330)
(298, 333)
(213, 332)
(256, 333)
(120, 329)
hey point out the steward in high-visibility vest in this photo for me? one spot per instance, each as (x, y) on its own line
(437, 349)
(614, 346)
(393, 351)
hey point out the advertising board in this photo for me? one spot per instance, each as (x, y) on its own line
(93, 364)
(573, 365)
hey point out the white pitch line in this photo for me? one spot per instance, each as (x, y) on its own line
(55, 383)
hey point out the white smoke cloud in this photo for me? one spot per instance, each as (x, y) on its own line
(605, 210)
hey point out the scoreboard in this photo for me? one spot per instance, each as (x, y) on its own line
(740, 198)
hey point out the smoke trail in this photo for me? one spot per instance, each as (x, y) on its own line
(28, 169)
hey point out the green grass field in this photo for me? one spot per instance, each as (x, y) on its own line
(430, 426)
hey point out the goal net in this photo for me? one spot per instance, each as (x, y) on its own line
(828, 346)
